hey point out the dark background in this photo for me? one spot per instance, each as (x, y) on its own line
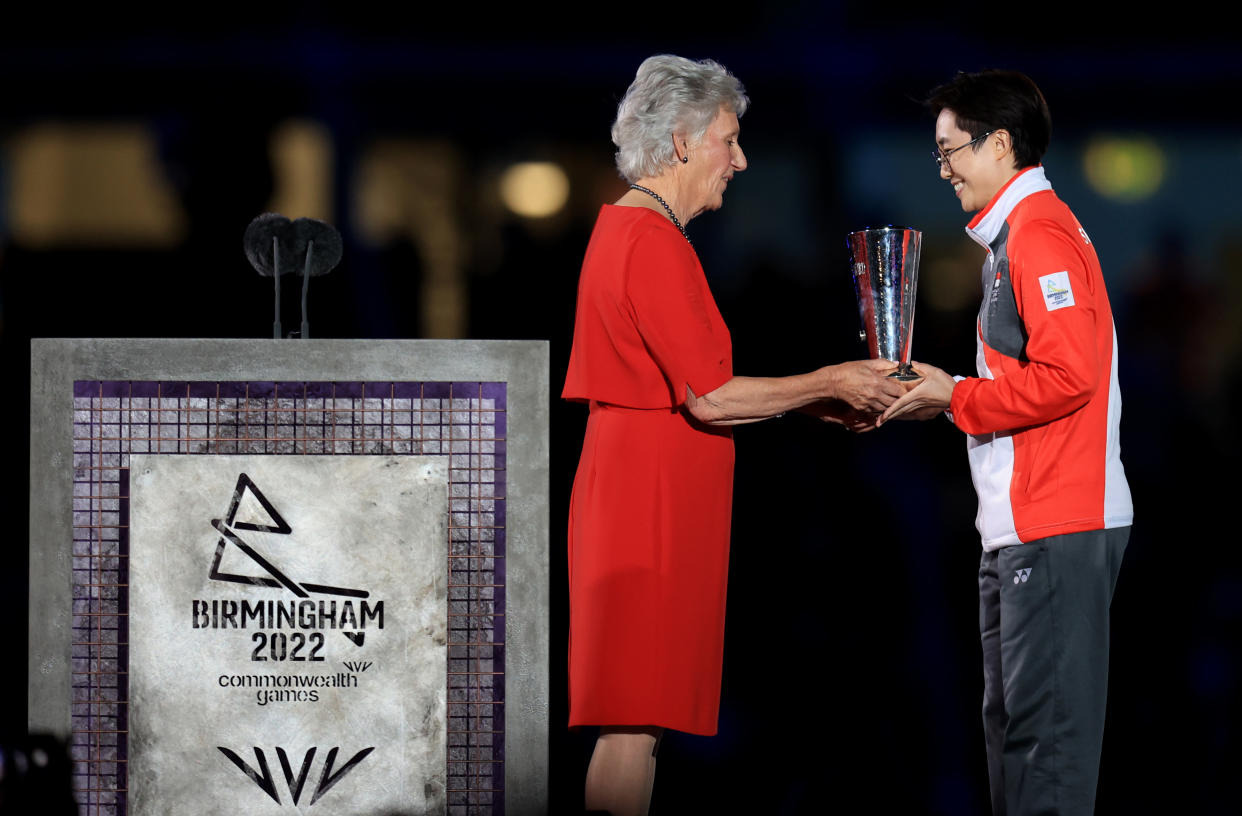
(852, 676)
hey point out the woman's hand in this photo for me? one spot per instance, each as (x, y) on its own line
(865, 386)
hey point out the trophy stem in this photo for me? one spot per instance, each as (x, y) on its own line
(905, 372)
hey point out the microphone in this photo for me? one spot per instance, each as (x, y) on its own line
(262, 243)
(274, 245)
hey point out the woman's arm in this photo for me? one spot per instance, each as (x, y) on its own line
(861, 384)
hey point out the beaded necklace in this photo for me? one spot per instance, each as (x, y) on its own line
(667, 209)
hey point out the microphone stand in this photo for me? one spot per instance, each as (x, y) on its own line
(276, 274)
(306, 268)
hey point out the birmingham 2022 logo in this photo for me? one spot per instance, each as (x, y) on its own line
(270, 617)
(348, 610)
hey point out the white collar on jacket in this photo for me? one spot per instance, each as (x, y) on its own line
(987, 224)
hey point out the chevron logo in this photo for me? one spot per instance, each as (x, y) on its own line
(266, 780)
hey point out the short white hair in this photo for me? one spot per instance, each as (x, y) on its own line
(670, 94)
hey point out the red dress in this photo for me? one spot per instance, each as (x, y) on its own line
(650, 513)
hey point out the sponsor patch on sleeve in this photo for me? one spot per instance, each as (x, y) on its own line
(1056, 290)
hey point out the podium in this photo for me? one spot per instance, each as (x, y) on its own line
(286, 576)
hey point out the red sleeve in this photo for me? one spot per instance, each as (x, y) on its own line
(671, 308)
(1063, 367)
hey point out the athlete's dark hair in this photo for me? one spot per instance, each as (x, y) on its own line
(991, 100)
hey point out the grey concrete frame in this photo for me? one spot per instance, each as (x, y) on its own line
(523, 364)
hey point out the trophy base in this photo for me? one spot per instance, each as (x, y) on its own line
(905, 372)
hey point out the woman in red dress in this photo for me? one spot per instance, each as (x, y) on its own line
(650, 513)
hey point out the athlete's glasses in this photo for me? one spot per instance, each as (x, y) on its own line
(942, 156)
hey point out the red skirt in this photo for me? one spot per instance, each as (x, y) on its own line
(648, 564)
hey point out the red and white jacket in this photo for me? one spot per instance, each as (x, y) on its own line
(1043, 414)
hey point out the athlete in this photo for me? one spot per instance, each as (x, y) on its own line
(1041, 420)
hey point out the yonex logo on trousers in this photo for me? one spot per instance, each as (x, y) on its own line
(1022, 575)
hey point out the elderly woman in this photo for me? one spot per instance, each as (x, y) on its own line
(650, 513)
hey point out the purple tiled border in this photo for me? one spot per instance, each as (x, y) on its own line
(462, 420)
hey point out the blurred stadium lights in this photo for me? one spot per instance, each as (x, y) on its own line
(96, 184)
(534, 189)
(1124, 168)
(408, 191)
(302, 169)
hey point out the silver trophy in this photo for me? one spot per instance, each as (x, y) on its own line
(885, 262)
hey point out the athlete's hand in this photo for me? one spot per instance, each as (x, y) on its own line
(926, 399)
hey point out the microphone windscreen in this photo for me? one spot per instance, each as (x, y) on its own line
(258, 244)
(328, 247)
